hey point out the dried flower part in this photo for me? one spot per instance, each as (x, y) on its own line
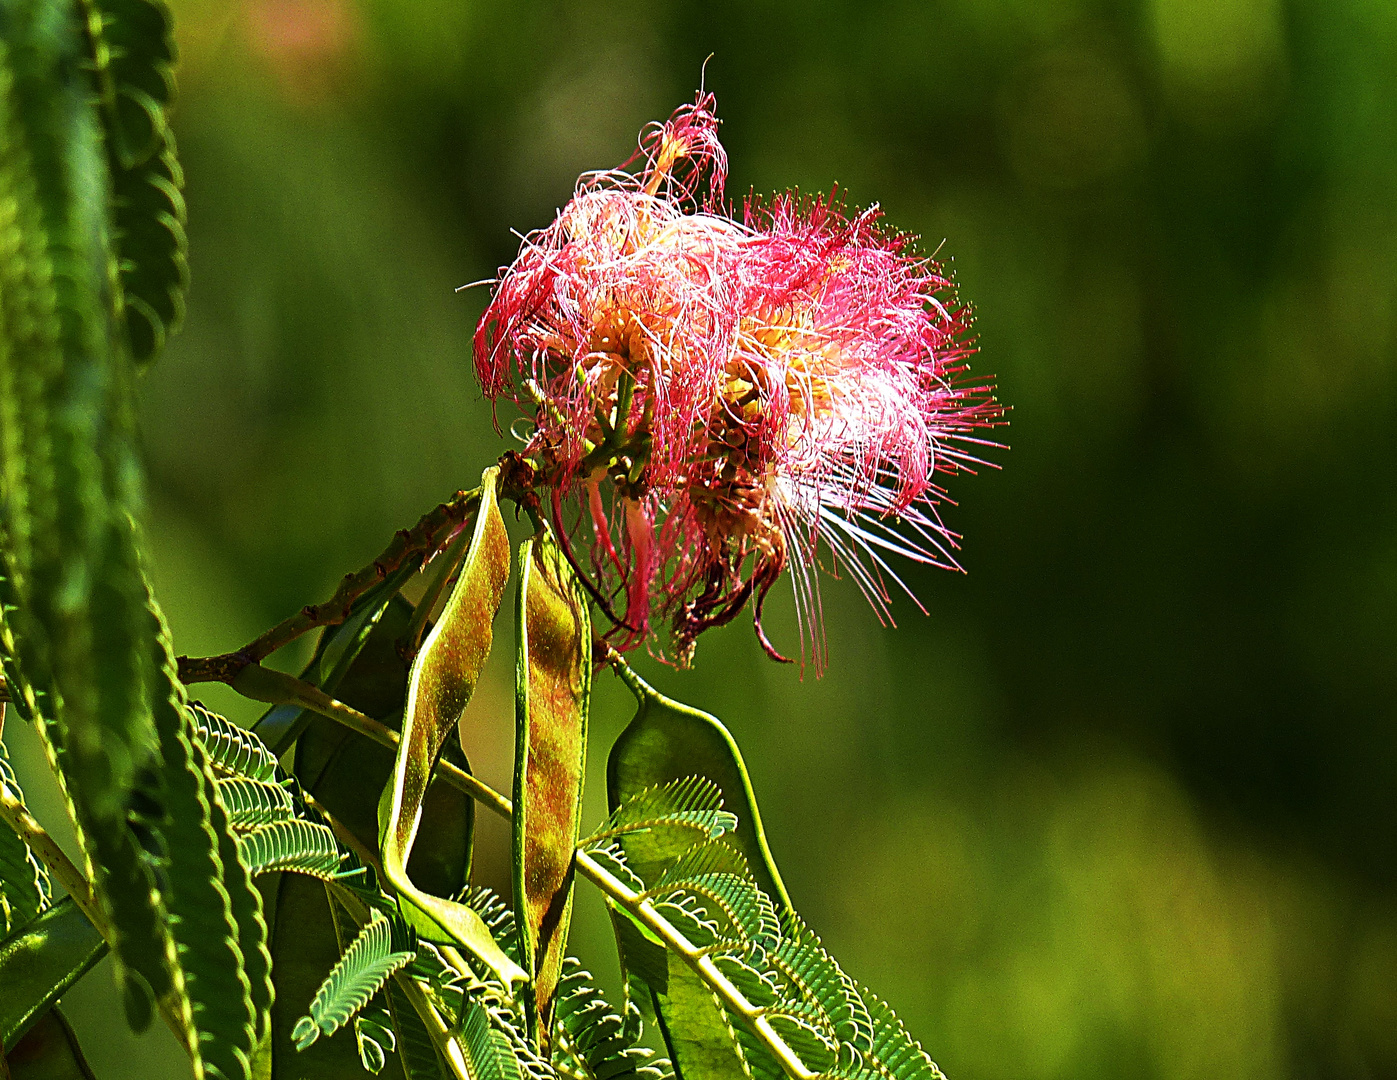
(715, 398)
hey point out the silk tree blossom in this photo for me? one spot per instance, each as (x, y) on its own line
(715, 400)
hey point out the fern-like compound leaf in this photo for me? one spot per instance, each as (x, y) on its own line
(374, 955)
(691, 804)
(489, 1055)
(233, 751)
(708, 894)
(300, 846)
(595, 1039)
(203, 884)
(133, 57)
(253, 803)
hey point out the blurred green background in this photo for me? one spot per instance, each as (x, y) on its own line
(1123, 805)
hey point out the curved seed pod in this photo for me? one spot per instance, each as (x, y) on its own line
(553, 685)
(443, 677)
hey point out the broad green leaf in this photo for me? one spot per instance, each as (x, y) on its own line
(40, 962)
(553, 685)
(666, 741)
(204, 875)
(49, 1051)
(133, 55)
(366, 965)
(443, 677)
(696, 1028)
(24, 883)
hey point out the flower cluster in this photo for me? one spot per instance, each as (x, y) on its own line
(714, 398)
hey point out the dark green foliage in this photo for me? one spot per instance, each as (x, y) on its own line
(48, 1051)
(39, 962)
(133, 54)
(76, 646)
(202, 885)
(419, 1056)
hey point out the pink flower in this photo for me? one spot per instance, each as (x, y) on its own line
(716, 400)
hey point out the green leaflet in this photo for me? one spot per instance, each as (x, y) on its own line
(593, 1038)
(40, 962)
(24, 883)
(232, 751)
(132, 50)
(488, 1053)
(366, 965)
(49, 1051)
(302, 846)
(214, 909)
(374, 1035)
(553, 685)
(443, 677)
(252, 803)
(666, 741)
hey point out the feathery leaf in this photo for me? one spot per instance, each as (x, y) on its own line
(363, 969)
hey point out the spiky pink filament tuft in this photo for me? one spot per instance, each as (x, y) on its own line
(751, 388)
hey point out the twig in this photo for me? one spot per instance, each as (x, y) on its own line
(421, 540)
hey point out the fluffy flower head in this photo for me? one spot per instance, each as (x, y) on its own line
(718, 397)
